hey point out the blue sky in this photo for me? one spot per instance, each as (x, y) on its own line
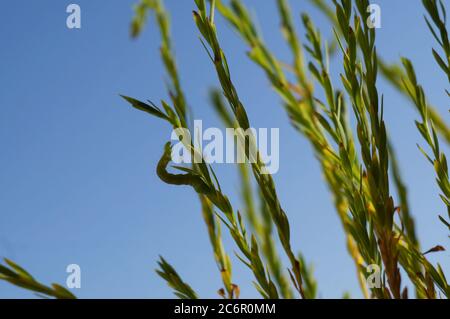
(77, 164)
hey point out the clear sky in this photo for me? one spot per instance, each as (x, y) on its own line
(77, 164)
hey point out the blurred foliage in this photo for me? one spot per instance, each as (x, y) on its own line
(16, 275)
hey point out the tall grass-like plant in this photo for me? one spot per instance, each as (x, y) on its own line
(360, 170)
